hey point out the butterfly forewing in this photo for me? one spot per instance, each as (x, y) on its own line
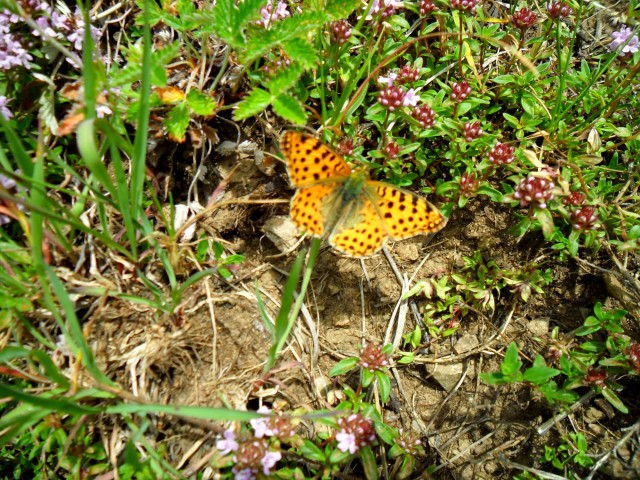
(403, 213)
(310, 162)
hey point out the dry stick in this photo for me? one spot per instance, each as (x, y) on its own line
(632, 430)
(544, 428)
(214, 328)
(535, 471)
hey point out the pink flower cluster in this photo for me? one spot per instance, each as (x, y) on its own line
(355, 433)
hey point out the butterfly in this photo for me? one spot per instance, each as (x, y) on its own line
(357, 215)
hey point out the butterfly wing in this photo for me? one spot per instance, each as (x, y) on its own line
(402, 213)
(311, 162)
(308, 207)
(363, 236)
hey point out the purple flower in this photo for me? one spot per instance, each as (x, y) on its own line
(45, 26)
(244, 474)
(12, 54)
(621, 37)
(261, 425)
(270, 15)
(346, 441)
(356, 432)
(229, 443)
(4, 111)
(386, 6)
(269, 460)
(410, 98)
(389, 79)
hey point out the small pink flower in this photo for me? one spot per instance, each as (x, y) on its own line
(501, 154)
(534, 191)
(425, 115)
(575, 198)
(356, 432)
(269, 15)
(261, 425)
(372, 357)
(464, 5)
(524, 18)
(389, 79)
(4, 110)
(341, 31)
(633, 354)
(408, 74)
(584, 218)
(392, 97)
(471, 130)
(468, 184)
(460, 91)
(391, 150)
(558, 10)
(427, 7)
(595, 376)
(621, 37)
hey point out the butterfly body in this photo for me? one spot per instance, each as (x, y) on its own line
(354, 213)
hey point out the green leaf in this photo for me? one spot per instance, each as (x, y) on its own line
(573, 242)
(385, 432)
(177, 121)
(280, 33)
(546, 221)
(302, 51)
(539, 375)
(338, 9)
(284, 79)
(230, 18)
(309, 450)
(369, 463)
(406, 358)
(614, 400)
(253, 104)
(289, 108)
(492, 193)
(511, 363)
(494, 378)
(367, 377)
(344, 366)
(201, 103)
(520, 228)
(384, 385)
